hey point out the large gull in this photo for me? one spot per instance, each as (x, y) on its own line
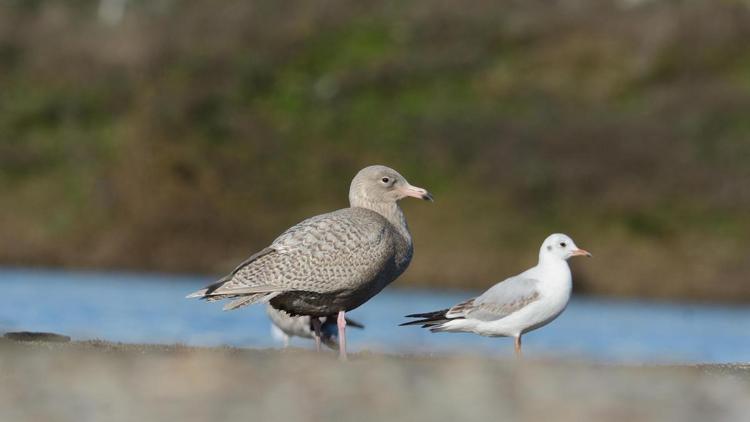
(285, 326)
(331, 263)
(518, 304)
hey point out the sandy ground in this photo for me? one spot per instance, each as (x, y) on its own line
(98, 381)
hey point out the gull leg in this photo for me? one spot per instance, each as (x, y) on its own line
(342, 335)
(315, 321)
(519, 354)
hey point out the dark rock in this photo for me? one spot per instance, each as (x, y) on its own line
(33, 336)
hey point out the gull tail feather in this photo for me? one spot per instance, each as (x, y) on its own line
(208, 290)
(434, 314)
(249, 300)
(199, 293)
(214, 291)
(427, 319)
(355, 324)
(246, 290)
(211, 289)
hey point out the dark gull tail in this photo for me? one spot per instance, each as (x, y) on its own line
(355, 324)
(428, 319)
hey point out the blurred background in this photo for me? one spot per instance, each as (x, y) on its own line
(181, 136)
(149, 146)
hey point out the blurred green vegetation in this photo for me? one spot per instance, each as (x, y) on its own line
(189, 134)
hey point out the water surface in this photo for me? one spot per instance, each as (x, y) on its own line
(151, 308)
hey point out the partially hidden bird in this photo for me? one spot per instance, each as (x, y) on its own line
(323, 330)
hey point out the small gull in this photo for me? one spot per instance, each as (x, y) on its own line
(331, 263)
(517, 305)
(285, 326)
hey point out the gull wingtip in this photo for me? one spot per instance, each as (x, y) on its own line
(198, 294)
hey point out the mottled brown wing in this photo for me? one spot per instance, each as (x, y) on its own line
(321, 254)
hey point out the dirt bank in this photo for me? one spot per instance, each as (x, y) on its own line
(81, 381)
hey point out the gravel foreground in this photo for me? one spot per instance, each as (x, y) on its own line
(97, 381)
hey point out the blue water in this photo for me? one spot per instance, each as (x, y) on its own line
(151, 309)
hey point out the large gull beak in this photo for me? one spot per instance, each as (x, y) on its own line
(581, 252)
(416, 192)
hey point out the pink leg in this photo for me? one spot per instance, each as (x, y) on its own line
(342, 335)
(316, 328)
(519, 354)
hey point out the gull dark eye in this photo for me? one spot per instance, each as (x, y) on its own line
(562, 244)
(385, 180)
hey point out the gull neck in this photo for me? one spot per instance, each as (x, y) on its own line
(391, 211)
(548, 259)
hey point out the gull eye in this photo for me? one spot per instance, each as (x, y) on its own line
(385, 180)
(563, 244)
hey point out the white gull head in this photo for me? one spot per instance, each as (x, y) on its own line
(560, 246)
